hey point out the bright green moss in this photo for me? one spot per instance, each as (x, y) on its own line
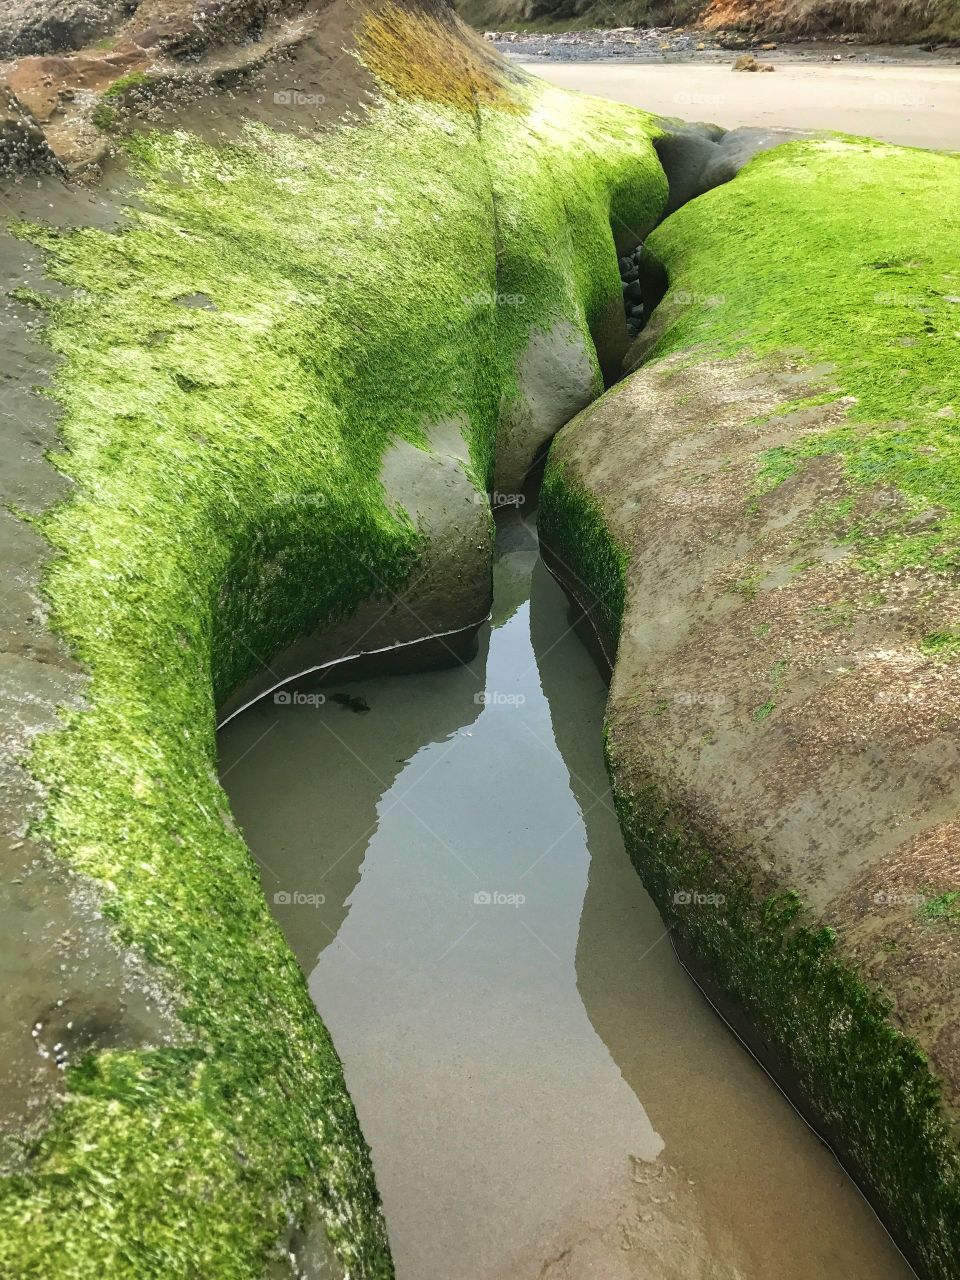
(852, 285)
(234, 363)
(133, 80)
(105, 116)
(944, 907)
(941, 644)
(593, 564)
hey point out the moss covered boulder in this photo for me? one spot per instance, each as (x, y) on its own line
(260, 368)
(764, 521)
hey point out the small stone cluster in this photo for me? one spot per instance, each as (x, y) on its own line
(633, 302)
(617, 42)
(747, 62)
(683, 44)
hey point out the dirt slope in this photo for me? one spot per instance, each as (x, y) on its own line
(893, 21)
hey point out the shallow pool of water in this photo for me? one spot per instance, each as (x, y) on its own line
(546, 1094)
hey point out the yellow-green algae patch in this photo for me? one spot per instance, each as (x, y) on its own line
(435, 57)
(234, 363)
(864, 276)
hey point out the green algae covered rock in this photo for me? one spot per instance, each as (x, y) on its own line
(765, 518)
(248, 313)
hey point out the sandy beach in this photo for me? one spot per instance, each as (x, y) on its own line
(914, 106)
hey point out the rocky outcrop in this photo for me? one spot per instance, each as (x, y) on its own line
(76, 96)
(886, 21)
(23, 146)
(177, 26)
(51, 26)
(880, 21)
(763, 520)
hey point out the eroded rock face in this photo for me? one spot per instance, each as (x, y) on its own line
(279, 400)
(699, 157)
(75, 90)
(734, 22)
(52, 26)
(773, 730)
(180, 26)
(765, 534)
(23, 146)
(557, 376)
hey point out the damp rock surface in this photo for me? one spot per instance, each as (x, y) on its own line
(789, 739)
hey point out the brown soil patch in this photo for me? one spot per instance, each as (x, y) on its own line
(166, 52)
(875, 19)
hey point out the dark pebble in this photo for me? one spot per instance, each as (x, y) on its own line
(349, 702)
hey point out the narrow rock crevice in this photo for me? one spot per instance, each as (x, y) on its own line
(644, 285)
(633, 298)
(696, 158)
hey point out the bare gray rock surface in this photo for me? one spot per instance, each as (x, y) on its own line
(51, 26)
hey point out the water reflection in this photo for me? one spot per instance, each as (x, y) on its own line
(545, 1093)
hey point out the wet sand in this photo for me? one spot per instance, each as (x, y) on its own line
(914, 106)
